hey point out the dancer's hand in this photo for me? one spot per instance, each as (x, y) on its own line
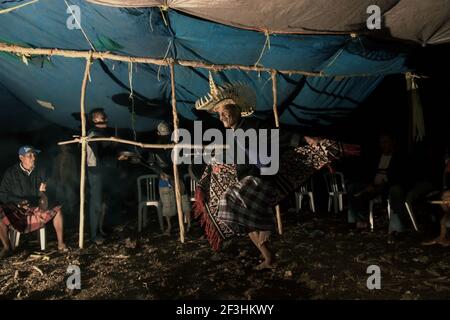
(312, 141)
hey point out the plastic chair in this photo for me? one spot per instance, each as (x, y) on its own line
(379, 200)
(336, 189)
(14, 238)
(372, 203)
(192, 184)
(147, 197)
(305, 190)
(411, 215)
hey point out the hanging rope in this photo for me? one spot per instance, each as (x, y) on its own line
(165, 57)
(266, 44)
(133, 114)
(81, 28)
(162, 9)
(417, 119)
(18, 6)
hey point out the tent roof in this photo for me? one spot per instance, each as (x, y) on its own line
(425, 22)
(350, 67)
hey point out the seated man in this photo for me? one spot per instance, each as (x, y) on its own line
(389, 172)
(24, 204)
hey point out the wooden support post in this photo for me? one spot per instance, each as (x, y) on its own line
(277, 124)
(83, 150)
(175, 158)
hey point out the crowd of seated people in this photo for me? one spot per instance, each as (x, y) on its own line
(400, 180)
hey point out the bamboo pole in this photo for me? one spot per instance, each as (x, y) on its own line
(175, 158)
(4, 47)
(277, 124)
(162, 62)
(145, 145)
(17, 7)
(83, 151)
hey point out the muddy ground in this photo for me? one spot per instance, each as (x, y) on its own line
(318, 257)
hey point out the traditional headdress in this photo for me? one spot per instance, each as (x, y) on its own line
(230, 93)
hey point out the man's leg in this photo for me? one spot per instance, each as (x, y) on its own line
(169, 225)
(358, 203)
(397, 203)
(259, 239)
(5, 241)
(95, 202)
(186, 210)
(58, 224)
(102, 219)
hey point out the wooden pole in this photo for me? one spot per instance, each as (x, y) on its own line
(277, 124)
(4, 47)
(162, 62)
(144, 145)
(83, 150)
(175, 158)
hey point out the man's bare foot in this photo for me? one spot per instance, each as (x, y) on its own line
(6, 252)
(265, 265)
(437, 240)
(62, 247)
(444, 242)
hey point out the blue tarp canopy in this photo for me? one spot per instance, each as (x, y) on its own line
(350, 67)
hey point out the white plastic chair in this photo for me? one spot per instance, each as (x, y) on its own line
(336, 190)
(372, 203)
(379, 200)
(411, 215)
(147, 197)
(192, 184)
(14, 238)
(305, 190)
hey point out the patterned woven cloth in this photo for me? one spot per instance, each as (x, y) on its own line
(25, 221)
(240, 207)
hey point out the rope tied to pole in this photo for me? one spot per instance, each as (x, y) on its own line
(266, 44)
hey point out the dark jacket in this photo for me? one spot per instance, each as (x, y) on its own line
(396, 172)
(160, 160)
(105, 151)
(17, 185)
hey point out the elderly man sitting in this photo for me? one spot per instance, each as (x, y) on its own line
(24, 204)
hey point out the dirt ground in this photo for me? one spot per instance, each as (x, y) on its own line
(317, 258)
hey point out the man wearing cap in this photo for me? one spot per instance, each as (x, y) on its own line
(24, 204)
